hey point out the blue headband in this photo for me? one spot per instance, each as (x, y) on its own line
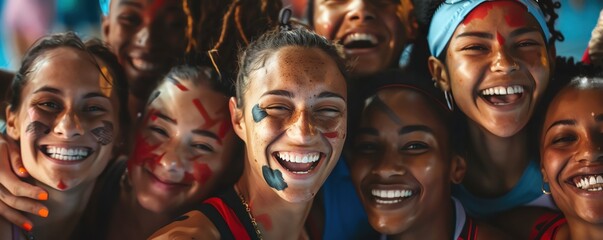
(104, 6)
(452, 12)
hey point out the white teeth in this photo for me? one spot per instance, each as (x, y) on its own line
(390, 196)
(66, 154)
(589, 183)
(360, 37)
(502, 90)
(142, 64)
(299, 158)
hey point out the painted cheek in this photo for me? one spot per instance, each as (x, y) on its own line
(274, 178)
(258, 113)
(142, 151)
(37, 129)
(104, 134)
(201, 174)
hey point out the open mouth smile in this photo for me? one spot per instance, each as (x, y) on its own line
(66, 154)
(298, 163)
(502, 95)
(360, 41)
(591, 183)
(382, 196)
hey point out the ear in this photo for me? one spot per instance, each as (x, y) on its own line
(236, 117)
(545, 178)
(458, 167)
(105, 27)
(439, 73)
(12, 127)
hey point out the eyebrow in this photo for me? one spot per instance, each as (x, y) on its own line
(279, 93)
(566, 122)
(206, 133)
(165, 117)
(130, 3)
(523, 30)
(330, 95)
(476, 34)
(49, 89)
(95, 94)
(414, 128)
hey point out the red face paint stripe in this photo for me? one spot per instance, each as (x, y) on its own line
(500, 39)
(265, 220)
(142, 150)
(156, 6)
(331, 134)
(225, 127)
(202, 173)
(479, 13)
(178, 85)
(209, 122)
(61, 185)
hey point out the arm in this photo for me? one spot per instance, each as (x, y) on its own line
(192, 225)
(16, 195)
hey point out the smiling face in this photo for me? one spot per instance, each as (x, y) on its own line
(147, 36)
(184, 147)
(498, 66)
(572, 159)
(293, 121)
(401, 161)
(67, 121)
(373, 33)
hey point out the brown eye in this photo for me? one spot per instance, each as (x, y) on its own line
(203, 147)
(366, 147)
(50, 106)
(415, 147)
(563, 140)
(159, 130)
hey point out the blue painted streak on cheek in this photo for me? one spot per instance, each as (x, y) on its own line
(274, 178)
(258, 113)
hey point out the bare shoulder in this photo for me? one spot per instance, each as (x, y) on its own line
(192, 225)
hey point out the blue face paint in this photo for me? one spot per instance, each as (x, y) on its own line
(274, 178)
(258, 113)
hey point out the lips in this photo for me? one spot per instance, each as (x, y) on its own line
(66, 154)
(298, 163)
(591, 183)
(502, 95)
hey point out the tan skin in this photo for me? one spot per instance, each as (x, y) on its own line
(571, 144)
(407, 152)
(147, 36)
(144, 33)
(71, 116)
(486, 53)
(303, 94)
(192, 153)
(391, 23)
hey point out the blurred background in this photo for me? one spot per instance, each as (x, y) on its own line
(24, 21)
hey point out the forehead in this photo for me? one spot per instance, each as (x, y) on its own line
(507, 13)
(183, 98)
(150, 5)
(66, 65)
(299, 69)
(573, 103)
(410, 106)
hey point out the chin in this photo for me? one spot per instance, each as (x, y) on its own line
(296, 197)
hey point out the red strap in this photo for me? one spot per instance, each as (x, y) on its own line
(231, 219)
(546, 226)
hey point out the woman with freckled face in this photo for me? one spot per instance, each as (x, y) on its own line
(65, 112)
(493, 61)
(572, 162)
(403, 161)
(373, 33)
(293, 124)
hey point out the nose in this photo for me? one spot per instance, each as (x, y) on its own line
(172, 165)
(302, 130)
(361, 11)
(503, 62)
(142, 37)
(390, 164)
(590, 150)
(68, 126)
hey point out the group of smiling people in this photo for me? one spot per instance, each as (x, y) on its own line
(316, 134)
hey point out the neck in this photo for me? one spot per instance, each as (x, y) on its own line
(440, 226)
(65, 209)
(276, 217)
(495, 164)
(579, 229)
